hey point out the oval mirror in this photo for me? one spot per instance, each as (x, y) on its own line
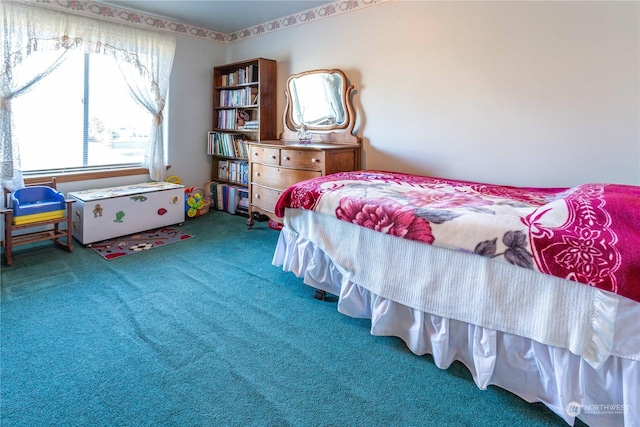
(318, 100)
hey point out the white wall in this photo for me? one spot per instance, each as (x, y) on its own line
(191, 108)
(519, 93)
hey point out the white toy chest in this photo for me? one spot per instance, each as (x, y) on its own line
(105, 213)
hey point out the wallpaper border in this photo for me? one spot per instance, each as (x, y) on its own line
(129, 17)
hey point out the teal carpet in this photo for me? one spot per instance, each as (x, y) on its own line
(208, 333)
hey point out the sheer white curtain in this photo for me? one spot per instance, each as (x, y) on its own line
(23, 35)
(144, 57)
(147, 75)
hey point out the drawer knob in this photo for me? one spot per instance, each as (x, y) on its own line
(273, 157)
(255, 153)
(257, 196)
(314, 160)
(288, 158)
(257, 173)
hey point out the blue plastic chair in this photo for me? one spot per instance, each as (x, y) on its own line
(36, 205)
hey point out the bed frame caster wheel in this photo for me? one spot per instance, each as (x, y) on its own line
(321, 295)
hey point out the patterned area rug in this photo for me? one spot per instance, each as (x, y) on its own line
(135, 243)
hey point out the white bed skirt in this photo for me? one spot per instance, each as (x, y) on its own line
(563, 381)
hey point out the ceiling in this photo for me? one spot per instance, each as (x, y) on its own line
(222, 16)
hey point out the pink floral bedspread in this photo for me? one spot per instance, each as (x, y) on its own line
(588, 234)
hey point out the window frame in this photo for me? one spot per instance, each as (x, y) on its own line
(84, 176)
(79, 173)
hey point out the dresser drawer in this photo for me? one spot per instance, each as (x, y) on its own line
(270, 156)
(264, 198)
(303, 159)
(277, 177)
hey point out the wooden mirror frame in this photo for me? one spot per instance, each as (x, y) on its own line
(341, 134)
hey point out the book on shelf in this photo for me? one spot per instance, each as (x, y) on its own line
(213, 193)
(238, 97)
(220, 195)
(223, 169)
(239, 172)
(230, 198)
(236, 171)
(227, 145)
(243, 202)
(212, 144)
(227, 119)
(251, 124)
(248, 74)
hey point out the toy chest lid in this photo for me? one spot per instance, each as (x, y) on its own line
(125, 190)
(35, 200)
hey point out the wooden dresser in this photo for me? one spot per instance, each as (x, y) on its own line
(276, 165)
(317, 139)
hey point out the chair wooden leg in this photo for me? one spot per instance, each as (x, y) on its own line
(8, 219)
(69, 226)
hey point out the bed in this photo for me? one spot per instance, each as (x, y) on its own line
(535, 290)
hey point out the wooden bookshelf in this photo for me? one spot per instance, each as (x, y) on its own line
(244, 110)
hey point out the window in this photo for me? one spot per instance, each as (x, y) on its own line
(75, 114)
(79, 117)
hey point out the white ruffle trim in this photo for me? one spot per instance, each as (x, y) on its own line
(561, 380)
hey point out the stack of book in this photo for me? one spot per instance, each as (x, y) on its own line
(251, 125)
